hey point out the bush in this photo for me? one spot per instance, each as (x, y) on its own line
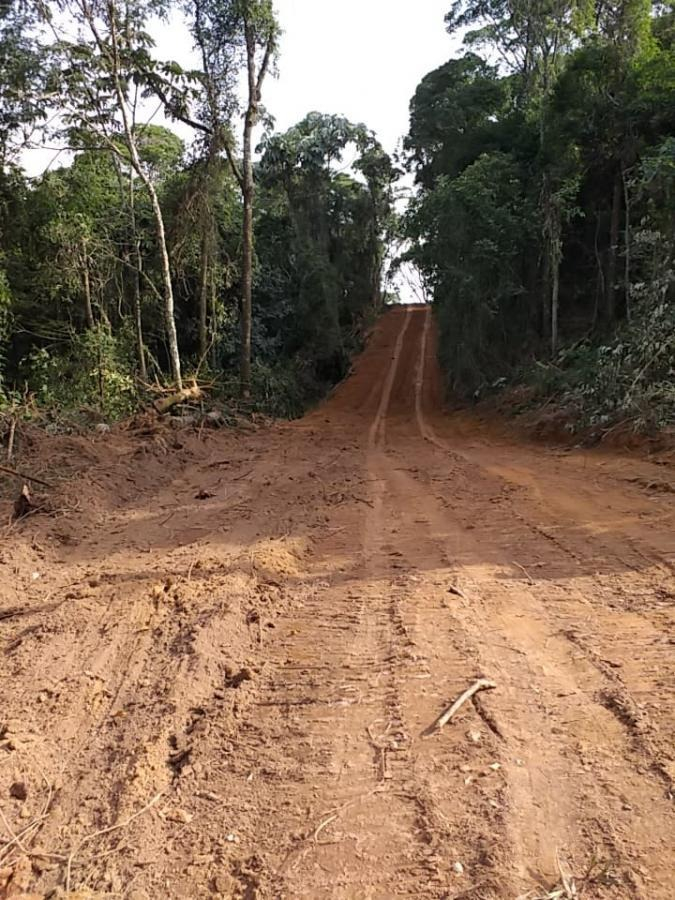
(95, 371)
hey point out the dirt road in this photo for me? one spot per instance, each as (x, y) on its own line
(219, 665)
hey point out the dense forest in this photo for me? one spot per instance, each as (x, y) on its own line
(146, 260)
(542, 221)
(545, 219)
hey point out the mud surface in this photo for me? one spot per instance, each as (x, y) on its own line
(219, 662)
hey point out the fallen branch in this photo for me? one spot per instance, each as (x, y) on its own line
(18, 840)
(24, 477)
(323, 825)
(483, 684)
(523, 569)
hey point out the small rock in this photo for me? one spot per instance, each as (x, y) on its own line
(180, 816)
(18, 790)
(458, 868)
(474, 736)
(232, 838)
(495, 767)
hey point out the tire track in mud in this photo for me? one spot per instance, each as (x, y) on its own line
(273, 662)
(481, 613)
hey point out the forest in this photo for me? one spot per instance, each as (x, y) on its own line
(254, 261)
(544, 223)
(139, 262)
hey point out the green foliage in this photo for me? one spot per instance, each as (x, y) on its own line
(544, 216)
(320, 236)
(471, 228)
(630, 379)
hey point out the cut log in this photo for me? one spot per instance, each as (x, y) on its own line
(23, 503)
(194, 392)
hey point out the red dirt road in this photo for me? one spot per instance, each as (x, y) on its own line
(230, 696)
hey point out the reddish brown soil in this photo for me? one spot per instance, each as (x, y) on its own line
(228, 696)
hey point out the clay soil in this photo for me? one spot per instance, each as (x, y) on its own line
(220, 656)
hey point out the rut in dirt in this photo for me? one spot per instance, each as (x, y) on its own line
(232, 697)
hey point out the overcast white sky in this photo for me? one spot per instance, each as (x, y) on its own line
(358, 58)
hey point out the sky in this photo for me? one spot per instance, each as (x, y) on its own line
(359, 58)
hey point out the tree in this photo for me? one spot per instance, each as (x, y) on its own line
(338, 228)
(231, 35)
(99, 72)
(25, 71)
(529, 225)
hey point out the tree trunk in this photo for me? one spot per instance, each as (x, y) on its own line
(610, 301)
(600, 281)
(544, 302)
(130, 137)
(255, 78)
(204, 293)
(169, 315)
(214, 321)
(626, 273)
(248, 191)
(137, 271)
(138, 315)
(86, 284)
(555, 295)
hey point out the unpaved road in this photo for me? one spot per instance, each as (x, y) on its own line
(219, 663)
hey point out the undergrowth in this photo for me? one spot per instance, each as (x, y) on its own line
(630, 379)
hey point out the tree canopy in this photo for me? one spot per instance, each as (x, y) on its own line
(536, 223)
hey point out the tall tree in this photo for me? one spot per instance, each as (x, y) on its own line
(235, 36)
(100, 68)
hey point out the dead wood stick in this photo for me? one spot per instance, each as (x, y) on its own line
(523, 569)
(25, 477)
(483, 684)
(15, 838)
